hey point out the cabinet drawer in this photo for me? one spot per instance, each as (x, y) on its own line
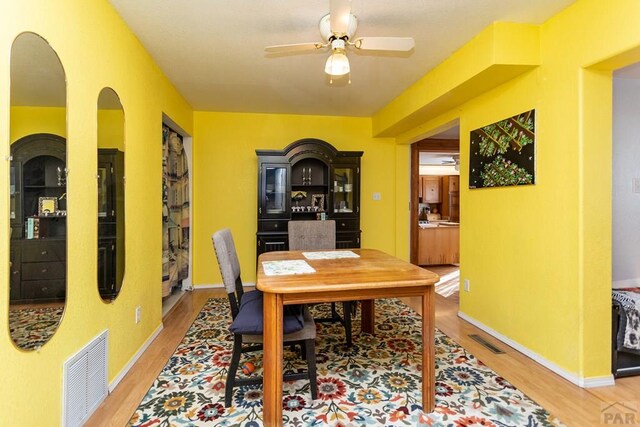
(273, 226)
(41, 289)
(347, 224)
(33, 251)
(43, 270)
(349, 240)
(272, 242)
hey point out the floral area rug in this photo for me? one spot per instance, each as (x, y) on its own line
(30, 328)
(376, 382)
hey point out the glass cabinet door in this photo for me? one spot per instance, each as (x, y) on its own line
(344, 196)
(103, 204)
(275, 194)
(12, 192)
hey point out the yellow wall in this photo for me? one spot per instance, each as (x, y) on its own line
(225, 175)
(539, 257)
(96, 50)
(111, 129)
(28, 120)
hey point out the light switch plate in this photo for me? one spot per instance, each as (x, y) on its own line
(377, 196)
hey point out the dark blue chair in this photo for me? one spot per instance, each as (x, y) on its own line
(247, 326)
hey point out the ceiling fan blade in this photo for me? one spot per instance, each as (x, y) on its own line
(402, 44)
(297, 47)
(340, 14)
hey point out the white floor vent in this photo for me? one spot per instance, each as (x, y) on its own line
(85, 381)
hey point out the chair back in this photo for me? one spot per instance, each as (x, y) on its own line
(312, 235)
(229, 267)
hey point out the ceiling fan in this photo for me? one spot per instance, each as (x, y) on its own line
(337, 30)
(455, 161)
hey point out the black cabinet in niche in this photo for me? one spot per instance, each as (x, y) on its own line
(306, 180)
(110, 230)
(38, 206)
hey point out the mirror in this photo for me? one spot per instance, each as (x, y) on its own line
(110, 194)
(37, 188)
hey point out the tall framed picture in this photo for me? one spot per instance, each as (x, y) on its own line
(317, 202)
(503, 153)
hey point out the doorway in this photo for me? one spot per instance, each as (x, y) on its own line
(176, 214)
(435, 215)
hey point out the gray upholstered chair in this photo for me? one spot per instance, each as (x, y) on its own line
(319, 235)
(246, 311)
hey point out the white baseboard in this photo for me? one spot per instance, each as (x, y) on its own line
(219, 285)
(627, 283)
(187, 285)
(569, 376)
(134, 359)
(207, 286)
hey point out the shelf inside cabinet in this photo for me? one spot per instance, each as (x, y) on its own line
(302, 187)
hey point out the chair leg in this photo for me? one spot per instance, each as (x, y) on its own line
(233, 369)
(334, 314)
(346, 308)
(310, 350)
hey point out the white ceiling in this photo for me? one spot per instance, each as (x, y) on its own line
(37, 76)
(436, 159)
(213, 50)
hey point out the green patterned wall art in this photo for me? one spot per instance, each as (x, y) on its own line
(503, 153)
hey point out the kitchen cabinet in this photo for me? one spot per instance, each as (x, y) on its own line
(431, 189)
(439, 245)
(451, 183)
(451, 197)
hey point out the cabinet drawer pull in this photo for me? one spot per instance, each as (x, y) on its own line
(44, 252)
(44, 289)
(44, 270)
(343, 224)
(274, 243)
(16, 271)
(275, 226)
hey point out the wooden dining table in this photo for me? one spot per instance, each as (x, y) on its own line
(369, 275)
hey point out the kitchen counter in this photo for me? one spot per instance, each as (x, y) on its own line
(439, 243)
(434, 224)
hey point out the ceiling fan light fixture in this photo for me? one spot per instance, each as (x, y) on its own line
(337, 64)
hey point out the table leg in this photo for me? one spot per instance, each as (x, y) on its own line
(428, 350)
(272, 369)
(368, 315)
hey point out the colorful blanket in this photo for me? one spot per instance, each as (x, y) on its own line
(629, 326)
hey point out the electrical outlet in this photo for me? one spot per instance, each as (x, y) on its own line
(138, 314)
(635, 185)
(377, 196)
(467, 285)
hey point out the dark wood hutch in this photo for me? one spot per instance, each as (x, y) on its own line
(309, 179)
(38, 219)
(110, 223)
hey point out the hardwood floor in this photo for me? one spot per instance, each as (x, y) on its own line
(573, 405)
